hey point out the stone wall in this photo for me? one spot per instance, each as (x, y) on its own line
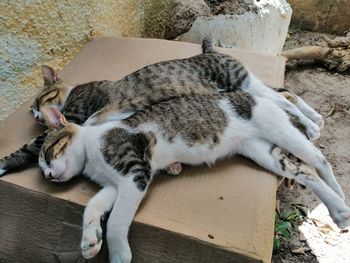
(321, 15)
(35, 32)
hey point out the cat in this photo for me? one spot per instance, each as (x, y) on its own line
(99, 101)
(123, 156)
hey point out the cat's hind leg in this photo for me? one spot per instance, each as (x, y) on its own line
(257, 88)
(274, 126)
(302, 106)
(272, 158)
(309, 112)
(95, 210)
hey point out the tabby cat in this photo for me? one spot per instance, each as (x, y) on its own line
(123, 156)
(100, 101)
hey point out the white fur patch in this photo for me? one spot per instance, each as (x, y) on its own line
(37, 114)
(111, 116)
(310, 112)
(166, 152)
(2, 171)
(117, 116)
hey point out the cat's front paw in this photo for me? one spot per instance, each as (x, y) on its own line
(91, 241)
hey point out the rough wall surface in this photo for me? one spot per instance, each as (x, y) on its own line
(321, 15)
(182, 15)
(35, 32)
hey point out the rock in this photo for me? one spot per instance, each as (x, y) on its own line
(261, 29)
(182, 14)
(301, 250)
(225, 7)
(294, 244)
(302, 237)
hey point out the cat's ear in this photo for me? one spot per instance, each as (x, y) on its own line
(49, 75)
(54, 119)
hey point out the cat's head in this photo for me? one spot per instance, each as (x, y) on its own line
(52, 94)
(62, 155)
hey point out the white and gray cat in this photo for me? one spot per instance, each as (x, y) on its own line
(123, 156)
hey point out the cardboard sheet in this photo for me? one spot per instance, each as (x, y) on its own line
(228, 207)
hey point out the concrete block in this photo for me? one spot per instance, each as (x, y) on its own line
(262, 29)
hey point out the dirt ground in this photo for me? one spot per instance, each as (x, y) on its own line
(328, 93)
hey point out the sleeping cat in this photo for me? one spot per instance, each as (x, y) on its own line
(100, 101)
(123, 156)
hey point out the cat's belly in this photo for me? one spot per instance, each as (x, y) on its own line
(178, 150)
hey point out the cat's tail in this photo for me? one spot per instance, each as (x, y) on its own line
(208, 45)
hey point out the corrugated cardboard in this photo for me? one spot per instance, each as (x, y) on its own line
(218, 214)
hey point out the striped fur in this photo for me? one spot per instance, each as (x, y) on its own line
(93, 102)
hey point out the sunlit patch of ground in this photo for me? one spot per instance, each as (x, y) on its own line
(328, 243)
